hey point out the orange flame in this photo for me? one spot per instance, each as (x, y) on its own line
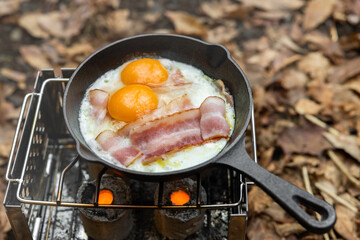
(179, 198)
(105, 197)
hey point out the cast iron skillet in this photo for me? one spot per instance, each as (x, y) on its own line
(215, 61)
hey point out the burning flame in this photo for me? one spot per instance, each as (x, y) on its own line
(105, 197)
(179, 198)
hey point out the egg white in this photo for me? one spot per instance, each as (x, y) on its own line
(202, 87)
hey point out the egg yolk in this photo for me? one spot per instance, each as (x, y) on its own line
(130, 102)
(145, 71)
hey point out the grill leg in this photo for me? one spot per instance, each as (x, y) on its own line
(16, 217)
(237, 227)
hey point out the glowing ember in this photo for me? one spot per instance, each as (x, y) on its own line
(105, 197)
(179, 198)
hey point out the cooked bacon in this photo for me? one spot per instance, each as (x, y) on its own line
(213, 123)
(220, 84)
(120, 148)
(175, 79)
(167, 134)
(177, 105)
(98, 100)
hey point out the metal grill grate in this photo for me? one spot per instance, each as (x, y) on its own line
(43, 151)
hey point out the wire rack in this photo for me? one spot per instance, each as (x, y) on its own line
(41, 132)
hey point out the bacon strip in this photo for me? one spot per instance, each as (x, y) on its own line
(167, 134)
(118, 147)
(177, 105)
(213, 123)
(98, 100)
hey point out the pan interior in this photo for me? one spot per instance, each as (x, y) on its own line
(213, 60)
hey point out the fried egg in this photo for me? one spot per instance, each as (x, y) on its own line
(138, 87)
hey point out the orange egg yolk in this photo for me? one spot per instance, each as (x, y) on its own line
(130, 102)
(145, 71)
(105, 197)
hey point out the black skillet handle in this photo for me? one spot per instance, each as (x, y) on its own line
(284, 193)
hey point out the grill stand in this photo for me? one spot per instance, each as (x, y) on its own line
(34, 145)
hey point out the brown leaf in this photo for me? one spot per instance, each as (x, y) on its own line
(345, 224)
(287, 229)
(306, 106)
(66, 24)
(8, 7)
(4, 222)
(306, 140)
(223, 34)
(354, 84)
(186, 24)
(84, 49)
(274, 5)
(315, 64)
(277, 213)
(30, 23)
(264, 58)
(16, 76)
(346, 142)
(316, 12)
(273, 15)
(218, 10)
(117, 21)
(293, 79)
(34, 57)
(260, 228)
(346, 70)
(321, 92)
(324, 43)
(258, 200)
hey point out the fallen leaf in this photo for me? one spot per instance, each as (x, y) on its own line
(287, 229)
(34, 57)
(293, 79)
(264, 59)
(66, 24)
(316, 12)
(277, 213)
(321, 92)
(306, 106)
(223, 34)
(306, 140)
(345, 224)
(345, 142)
(8, 7)
(284, 61)
(273, 15)
(315, 64)
(84, 49)
(354, 84)
(346, 70)
(186, 24)
(4, 222)
(16, 76)
(274, 5)
(301, 160)
(324, 43)
(261, 229)
(218, 10)
(30, 23)
(258, 200)
(117, 21)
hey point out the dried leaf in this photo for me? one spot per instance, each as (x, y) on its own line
(293, 79)
(321, 92)
(306, 106)
(315, 64)
(16, 76)
(30, 23)
(261, 229)
(303, 140)
(84, 49)
(8, 7)
(324, 43)
(218, 10)
(186, 24)
(223, 34)
(264, 58)
(346, 70)
(273, 15)
(274, 5)
(345, 224)
(345, 142)
(287, 229)
(316, 12)
(4, 222)
(117, 21)
(354, 84)
(259, 200)
(34, 57)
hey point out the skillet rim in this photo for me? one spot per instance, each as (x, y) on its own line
(167, 174)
